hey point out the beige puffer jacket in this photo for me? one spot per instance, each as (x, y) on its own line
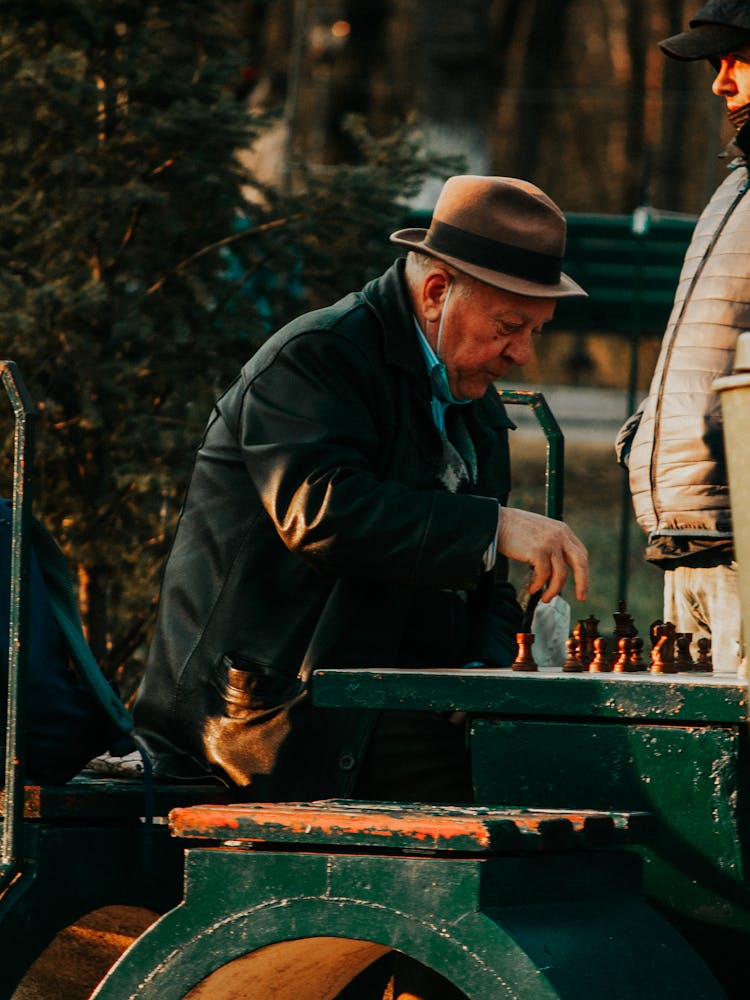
(678, 476)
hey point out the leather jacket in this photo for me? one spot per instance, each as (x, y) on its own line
(313, 532)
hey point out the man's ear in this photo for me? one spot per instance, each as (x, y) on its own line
(434, 289)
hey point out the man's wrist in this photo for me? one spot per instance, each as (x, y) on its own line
(490, 553)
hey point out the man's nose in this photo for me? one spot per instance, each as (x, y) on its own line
(724, 84)
(521, 348)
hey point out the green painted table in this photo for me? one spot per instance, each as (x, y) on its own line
(583, 785)
(672, 745)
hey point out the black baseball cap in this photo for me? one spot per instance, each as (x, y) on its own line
(719, 27)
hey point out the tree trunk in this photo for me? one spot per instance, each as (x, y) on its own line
(675, 96)
(92, 602)
(636, 186)
(542, 64)
(457, 94)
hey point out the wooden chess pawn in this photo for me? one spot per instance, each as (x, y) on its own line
(524, 660)
(637, 663)
(683, 660)
(573, 663)
(703, 660)
(622, 663)
(600, 663)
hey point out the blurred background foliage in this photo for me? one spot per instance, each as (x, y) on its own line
(573, 94)
(142, 262)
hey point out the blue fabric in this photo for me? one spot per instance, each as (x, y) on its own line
(65, 726)
(442, 397)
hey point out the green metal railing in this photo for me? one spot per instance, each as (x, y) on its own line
(15, 735)
(555, 465)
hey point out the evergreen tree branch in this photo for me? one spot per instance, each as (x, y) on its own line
(218, 244)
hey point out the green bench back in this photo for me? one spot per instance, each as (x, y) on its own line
(629, 265)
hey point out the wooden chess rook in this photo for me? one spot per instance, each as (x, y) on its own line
(524, 660)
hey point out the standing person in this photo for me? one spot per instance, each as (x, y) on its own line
(673, 445)
(348, 508)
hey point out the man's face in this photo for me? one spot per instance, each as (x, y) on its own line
(485, 332)
(733, 78)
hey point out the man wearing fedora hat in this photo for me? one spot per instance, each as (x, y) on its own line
(673, 445)
(348, 508)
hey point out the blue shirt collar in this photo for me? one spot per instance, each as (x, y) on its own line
(442, 397)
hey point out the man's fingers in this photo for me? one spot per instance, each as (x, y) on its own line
(540, 577)
(557, 578)
(578, 560)
(580, 565)
(549, 546)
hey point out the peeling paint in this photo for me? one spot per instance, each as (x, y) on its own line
(413, 829)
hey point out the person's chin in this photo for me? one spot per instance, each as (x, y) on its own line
(475, 389)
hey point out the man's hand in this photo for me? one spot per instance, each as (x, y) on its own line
(549, 546)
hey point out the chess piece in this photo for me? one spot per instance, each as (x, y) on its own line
(583, 646)
(683, 660)
(573, 663)
(600, 663)
(703, 660)
(588, 634)
(653, 631)
(624, 624)
(637, 662)
(525, 661)
(622, 663)
(662, 652)
(590, 624)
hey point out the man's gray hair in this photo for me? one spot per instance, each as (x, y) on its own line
(419, 265)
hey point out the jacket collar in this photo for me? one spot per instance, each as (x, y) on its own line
(388, 298)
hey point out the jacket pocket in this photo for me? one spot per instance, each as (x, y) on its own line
(254, 723)
(248, 686)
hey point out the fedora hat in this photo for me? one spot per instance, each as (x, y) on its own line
(499, 230)
(719, 27)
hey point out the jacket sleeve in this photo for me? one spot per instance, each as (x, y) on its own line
(624, 439)
(311, 431)
(503, 620)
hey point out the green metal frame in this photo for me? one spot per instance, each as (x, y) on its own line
(555, 465)
(23, 458)
(84, 849)
(68, 849)
(671, 698)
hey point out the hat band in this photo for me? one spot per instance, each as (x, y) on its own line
(494, 255)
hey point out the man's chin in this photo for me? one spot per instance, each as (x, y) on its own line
(474, 389)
